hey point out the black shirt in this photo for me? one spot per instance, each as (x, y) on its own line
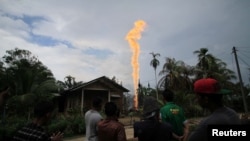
(151, 130)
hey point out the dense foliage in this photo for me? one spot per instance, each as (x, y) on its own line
(30, 80)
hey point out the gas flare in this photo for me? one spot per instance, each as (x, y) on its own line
(132, 37)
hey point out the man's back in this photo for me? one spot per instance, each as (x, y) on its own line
(91, 119)
(151, 130)
(209, 94)
(33, 131)
(174, 115)
(111, 130)
(222, 116)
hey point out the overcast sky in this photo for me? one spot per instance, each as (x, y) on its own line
(86, 38)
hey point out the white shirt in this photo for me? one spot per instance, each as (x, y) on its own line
(91, 119)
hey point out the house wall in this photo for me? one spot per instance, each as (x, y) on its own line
(118, 100)
(74, 99)
(89, 96)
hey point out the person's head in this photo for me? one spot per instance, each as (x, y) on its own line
(111, 109)
(168, 95)
(209, 92)
(151, 108)
(97, 103)
(44, 110)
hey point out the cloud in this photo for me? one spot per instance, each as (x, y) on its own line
(86, 39)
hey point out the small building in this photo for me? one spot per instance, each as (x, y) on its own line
(82, 95)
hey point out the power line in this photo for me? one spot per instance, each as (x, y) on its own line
(243, 51)
(244, 54)
(243, 47)
(244, 61)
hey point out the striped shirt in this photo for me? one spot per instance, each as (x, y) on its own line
(31, 132)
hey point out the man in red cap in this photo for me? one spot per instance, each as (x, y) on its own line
(210, 96)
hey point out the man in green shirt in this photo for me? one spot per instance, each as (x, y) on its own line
(173, 114)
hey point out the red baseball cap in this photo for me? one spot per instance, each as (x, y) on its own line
(209, 86)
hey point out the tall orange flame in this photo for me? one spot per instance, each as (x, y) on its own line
(132, 37)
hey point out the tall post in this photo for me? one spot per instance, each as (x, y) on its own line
(109, 96)
(82, 102)
(240, 79)
(156, 87)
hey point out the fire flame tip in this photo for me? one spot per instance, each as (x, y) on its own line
(132, 37)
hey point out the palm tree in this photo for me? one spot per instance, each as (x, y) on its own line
(171, 73)
(69, 82)
(215, 68)
(210, 66)
(186, 72)
(155, 63)
(205, 62)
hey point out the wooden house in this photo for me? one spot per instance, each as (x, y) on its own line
(81, 96)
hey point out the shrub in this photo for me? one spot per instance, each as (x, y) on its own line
(9, 126)
(57, 125)
(77, 125)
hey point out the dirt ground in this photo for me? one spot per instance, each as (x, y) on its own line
(129, 132)
(128, 122)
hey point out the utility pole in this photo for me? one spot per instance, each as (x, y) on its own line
(241, 84)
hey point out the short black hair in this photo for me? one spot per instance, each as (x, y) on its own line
(43, 107)
(110, 109)
(215, 98)
(168, 95)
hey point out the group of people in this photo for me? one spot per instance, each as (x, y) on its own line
(167, 122)
(104, 129)
(158, 124)
(149, 129)
(161, 123)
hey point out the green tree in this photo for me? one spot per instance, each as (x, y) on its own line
(170, 74)
(206, 61)
(186, 73)
(144, 91)
(210, 66)
(176, 75)
(3, 76)
(69, 82)
(155, 63)
(29, 80)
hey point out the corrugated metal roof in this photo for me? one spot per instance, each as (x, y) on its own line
(101, 79)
